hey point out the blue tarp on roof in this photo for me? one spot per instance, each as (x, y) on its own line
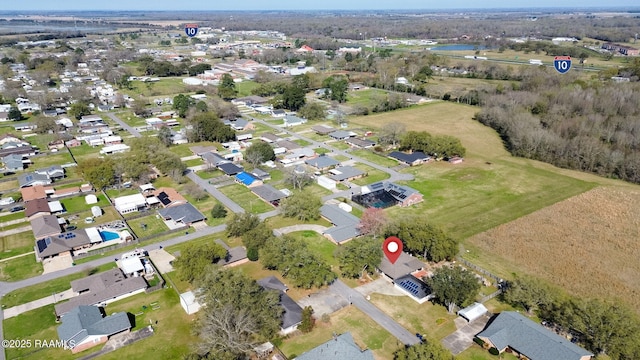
(245, 178)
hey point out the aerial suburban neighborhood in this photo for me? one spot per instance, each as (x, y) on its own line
(341, 184)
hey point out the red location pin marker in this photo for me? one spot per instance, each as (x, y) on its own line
(392, 248)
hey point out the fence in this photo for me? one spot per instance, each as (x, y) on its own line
(477, 268)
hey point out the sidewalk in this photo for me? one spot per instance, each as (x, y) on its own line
(17, 256)
(15, 231)
(53, 298)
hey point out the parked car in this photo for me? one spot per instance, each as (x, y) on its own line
(71, 227)
(16, 209)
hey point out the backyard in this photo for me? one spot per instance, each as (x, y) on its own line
(245, 198)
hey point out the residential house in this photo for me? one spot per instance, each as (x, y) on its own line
(269, 138)
(413, 159)
(33, 193)
(9, 138)
(322, 129)
(182, 214)
(46, 225)
(291, 120)
(235, 256)
(213, 160)
(384, 194)
(292, 312)
(54, 172)
(341, 347)
(524, 337)
(269, 194)
(56, 145)
(278, 113)
(169, 197)
(32, 179)
(85, 327)
(360, 143)
(73, 143)
(346, 173)
(247, 179)
(341, 135)
(289, 145)
(62, 244)
(114, 149)
(250, 100)
(101, 289)
(406, 274)
(322, 163)
(35, 208)
(230, 168)
(130, 203)
(240, 124)
(261, 174)
(345, 225)
(13, 163)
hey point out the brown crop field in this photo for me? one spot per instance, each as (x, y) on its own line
(587, 245)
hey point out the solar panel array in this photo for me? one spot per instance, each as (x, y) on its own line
(410, 286)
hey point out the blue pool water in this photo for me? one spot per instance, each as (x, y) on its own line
(109, 235)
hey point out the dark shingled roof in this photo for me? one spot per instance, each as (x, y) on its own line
(292, 314)
(512, 329)
(341, 347)
(184, 213)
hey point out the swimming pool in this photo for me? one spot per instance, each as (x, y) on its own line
(109, 235)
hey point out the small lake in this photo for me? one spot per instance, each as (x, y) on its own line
(458, 47)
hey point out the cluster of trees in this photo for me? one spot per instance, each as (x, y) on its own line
(423, 239)
(258, 153)
(196, 258)
(149, 66)
(429, 350)
(133, 165)
(296, 262)
(453, 286)
(437, 145)
(359, 256)
(207, 126)
(301, 205)
(591, 127)
(603, 327)
(227, 88)
(239, 314)
(255, 233)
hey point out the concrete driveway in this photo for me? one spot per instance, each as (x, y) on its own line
(379, 286)
(162, 260)
(462, 338)
(324, 302)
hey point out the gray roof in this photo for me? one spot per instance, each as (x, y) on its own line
(230, 168)
(406, 264)
(416, 287)
(289, 145)
(239, 124)
(184, 213)
(292, 314)
(344, 173)
(346, 224)
(340, 134)
(409, 158)
(322, 129)
(201, 150)
(260, 174)
(290, 119)
(56, 244)
(322, 162)
(271, 137)
(360, 142)
(51, 171)
(107, 286)
(13, 162)
(44, 226)
(529, 338)
(233, 254)
(268, 193)
(84, 321)
(341, 347)
(214, 159)
(30, 179)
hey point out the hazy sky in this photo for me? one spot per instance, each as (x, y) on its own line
(298, 4)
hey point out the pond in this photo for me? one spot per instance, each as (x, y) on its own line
(458, 47)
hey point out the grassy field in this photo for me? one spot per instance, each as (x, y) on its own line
(245, 198)
(163, 88)
(77, 203)
(15, 244)
(172, 323)
(374, 158)
(599, 229)
(20, 268)
(366, 333)
(35, 292)
(366, 97)
(373, 175)
(147, 226)
(244, 88)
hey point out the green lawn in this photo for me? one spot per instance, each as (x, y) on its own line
(20, 268)
(15, 244)
(52, 159)
(469, 198)
(301, 142)
(246, 199)
(161, 89)
(367, 97)
(209, 174)
(341, 158)
(318, 245)
(77, 203)
(147, 226)
(277, 222)
(321, 151)
(85, 151)
(194, 162)
(374, 158)
(373, 175)
(183, 149)
(366, 333)
(35, 292)
(244, 88)
(6, 216)
(340, 145)
(9, 185)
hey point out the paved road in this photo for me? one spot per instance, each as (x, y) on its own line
(230, 204)
(354, 297)
(124, 125)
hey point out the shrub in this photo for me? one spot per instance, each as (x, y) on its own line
(478, 341)
(494, 351)
(252, 254)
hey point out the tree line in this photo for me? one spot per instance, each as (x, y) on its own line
(588, 126)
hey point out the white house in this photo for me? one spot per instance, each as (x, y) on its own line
(130, 203)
